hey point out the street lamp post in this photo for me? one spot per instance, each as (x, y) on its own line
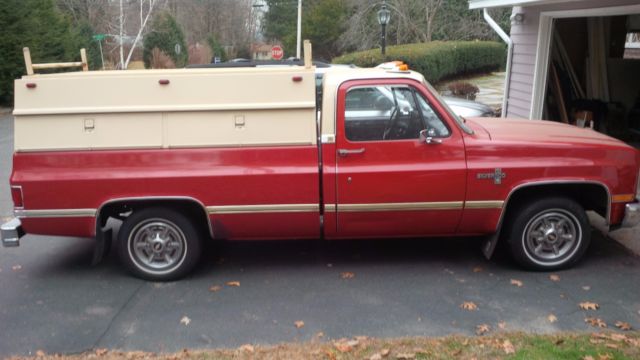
(384, 15)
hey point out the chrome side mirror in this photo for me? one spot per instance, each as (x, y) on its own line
(428, 136)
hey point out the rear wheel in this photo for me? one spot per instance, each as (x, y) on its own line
(159, 244)
(549, 234)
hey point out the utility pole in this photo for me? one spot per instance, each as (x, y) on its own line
(299, 29)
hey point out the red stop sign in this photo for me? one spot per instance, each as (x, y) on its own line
(277, 53)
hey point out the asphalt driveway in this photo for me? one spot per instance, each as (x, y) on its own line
(51, 299)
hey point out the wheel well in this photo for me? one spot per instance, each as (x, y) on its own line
(591, 196)
(190, 207)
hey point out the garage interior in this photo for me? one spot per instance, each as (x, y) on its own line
(594, 75)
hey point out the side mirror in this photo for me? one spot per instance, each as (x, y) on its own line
(428, 136)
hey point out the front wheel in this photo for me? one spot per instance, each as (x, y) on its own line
(548, 234)
(159, 244)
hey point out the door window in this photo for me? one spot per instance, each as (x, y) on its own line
(377, 113)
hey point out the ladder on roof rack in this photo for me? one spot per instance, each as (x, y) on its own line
(31, 67)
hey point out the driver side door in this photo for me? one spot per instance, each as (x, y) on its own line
(390, 180)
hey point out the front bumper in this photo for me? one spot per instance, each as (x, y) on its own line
(631, 215)
(11, 232)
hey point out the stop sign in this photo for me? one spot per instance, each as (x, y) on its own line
(276, 52)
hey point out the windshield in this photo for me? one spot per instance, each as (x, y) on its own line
(458, 119)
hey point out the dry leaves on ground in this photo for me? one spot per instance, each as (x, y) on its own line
(247, 348)
(552, 318)
(587, 305)
(482, 329)
(101, 352)
(185, 320)
(517, 283)
(215, 288)
(347, 275)
(299, 324)
(595, 322)
(233, 283)
(502, 325)
(40, 353)
(469, 305)
(624, 326)
(406, 356)
(508, 347)
(554, 277)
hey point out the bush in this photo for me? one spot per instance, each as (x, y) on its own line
(436, 60)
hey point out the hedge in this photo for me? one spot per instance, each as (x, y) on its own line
(436, 60)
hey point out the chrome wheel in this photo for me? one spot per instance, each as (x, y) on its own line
(551, 237)
(157, 246)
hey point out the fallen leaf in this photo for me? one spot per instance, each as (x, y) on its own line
(624, 326)
(247, 348)
(508, 348)
(16, 267)
(552, 318)
(385, 352)
(406, 356)
(517, 283)
(468, 305)
(611, 346)
(101, 352)
(618, 337)
(482, 329)
(554, 277)
(320, 334)
(233, 283)
(185, 320)
(595, 322)
(588, 357)
(376, 357)
(587, 305)
(330, 355)
(342, 346)
(347, 275)
(299, 324)
(353, 343)
(40, 353)
(605, 357)
(477, 269)
(502, 325)
(215, 288)
(586, 288)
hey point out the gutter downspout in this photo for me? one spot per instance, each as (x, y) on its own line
(503, 35)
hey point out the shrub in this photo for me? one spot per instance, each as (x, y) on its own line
(436, 60)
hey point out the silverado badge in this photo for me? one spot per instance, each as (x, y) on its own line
(497, 176)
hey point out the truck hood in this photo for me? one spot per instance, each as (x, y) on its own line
(539, 131)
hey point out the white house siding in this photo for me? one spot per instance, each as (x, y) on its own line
(525, 45)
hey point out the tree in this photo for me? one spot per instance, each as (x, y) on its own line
(217, 49)
(280, 23)
(36, 24)
(166, 34)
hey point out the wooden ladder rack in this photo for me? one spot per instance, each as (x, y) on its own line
(31, 67)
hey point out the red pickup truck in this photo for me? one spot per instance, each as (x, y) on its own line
(185, 156)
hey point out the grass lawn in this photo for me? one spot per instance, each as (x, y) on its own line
(574, 346)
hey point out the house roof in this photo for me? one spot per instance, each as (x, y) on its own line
(481, 4)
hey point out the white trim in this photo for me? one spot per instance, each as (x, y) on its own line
(479, 4)
(545, 31)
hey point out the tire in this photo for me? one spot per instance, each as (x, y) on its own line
(548, 234)
(159, 244)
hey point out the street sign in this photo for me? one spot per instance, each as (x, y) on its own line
(99, 37)
(277, 53)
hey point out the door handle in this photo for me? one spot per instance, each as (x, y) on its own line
(345, 152)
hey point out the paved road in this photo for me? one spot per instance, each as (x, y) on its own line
(52, 299)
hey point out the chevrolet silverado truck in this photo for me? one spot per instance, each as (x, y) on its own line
(187, 156)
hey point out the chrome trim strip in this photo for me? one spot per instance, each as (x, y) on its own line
(404, 206)
(158, 198)
(271, 208)
(484, 204)
(54, 213)
(553, 182)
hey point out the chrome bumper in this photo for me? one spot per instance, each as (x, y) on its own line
(631, 215)
(11, 232)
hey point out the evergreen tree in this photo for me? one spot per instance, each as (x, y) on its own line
(166, 34)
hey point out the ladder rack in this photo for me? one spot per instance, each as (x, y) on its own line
(31, 67)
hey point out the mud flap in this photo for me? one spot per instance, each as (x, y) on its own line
(103, 245)
(489, 245)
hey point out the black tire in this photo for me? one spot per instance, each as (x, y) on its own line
(153, 234)
(548, 234)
